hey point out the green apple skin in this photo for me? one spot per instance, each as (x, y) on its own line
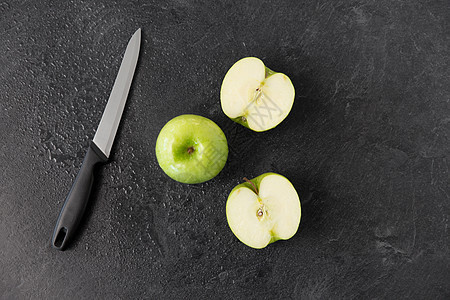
(257, 181)
(242, 119)
(191, 149)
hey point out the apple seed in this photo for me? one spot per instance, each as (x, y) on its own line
(260, 212)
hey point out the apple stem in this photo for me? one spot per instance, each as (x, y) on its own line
(190, 150)
(253, 185)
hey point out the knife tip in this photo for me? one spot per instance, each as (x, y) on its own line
(136, 36)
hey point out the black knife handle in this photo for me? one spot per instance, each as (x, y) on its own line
(75, 204)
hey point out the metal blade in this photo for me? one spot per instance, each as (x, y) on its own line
(106, 131)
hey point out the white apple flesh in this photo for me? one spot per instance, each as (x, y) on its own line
(256, 96)
(264, 210)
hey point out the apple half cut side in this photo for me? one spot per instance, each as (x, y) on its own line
(255, 96)
(264, 210)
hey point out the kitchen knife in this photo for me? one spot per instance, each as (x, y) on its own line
(99, 149)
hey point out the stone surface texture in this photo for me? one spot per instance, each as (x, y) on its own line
(366, 145)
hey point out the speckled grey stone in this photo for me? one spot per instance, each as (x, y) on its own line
(366, 145)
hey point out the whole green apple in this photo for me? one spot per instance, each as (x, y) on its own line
(191, 149)
(263, 210)
(255, 96)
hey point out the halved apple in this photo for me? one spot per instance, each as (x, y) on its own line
(263, 210)
(255, 96)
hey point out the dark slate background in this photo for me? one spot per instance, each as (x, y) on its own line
(366, 145)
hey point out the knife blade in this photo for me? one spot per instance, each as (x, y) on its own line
(99, 148)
